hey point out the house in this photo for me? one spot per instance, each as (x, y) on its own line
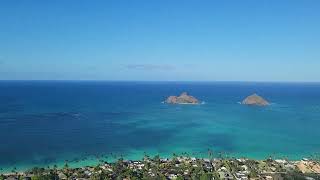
(268, 178)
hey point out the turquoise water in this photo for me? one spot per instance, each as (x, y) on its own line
(48, 122)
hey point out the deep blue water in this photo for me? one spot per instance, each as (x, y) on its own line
(48, 122)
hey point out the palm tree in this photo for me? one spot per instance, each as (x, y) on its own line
(210, 154)
(66, 170)
(14, 170)
(2, 177)
(55, 172)
(145, 156)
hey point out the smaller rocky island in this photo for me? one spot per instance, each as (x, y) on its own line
(184, 98)
(255, 100)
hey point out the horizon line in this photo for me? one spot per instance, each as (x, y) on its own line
(194, 81)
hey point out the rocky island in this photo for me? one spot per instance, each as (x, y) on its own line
(255, 100)
(184, 98)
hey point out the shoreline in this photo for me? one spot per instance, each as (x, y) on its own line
(171, 168)
(92, 160)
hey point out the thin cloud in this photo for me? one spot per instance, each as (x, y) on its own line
(2, 60)
(150, 67)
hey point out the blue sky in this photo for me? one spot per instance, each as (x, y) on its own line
(176, 40)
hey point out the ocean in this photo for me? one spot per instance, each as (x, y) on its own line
(43, 123)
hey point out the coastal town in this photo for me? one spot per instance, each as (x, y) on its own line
(179, 168)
